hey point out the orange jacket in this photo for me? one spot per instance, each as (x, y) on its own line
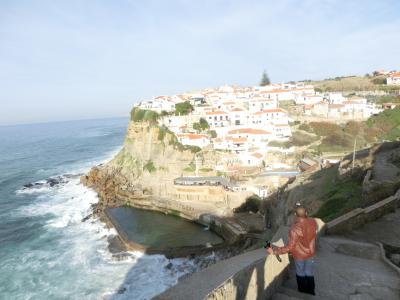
(302, 236)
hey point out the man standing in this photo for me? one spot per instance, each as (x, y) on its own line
(301, 245)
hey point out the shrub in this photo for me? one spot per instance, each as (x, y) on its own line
(301, 139)
(305, 127)
(379, 80)
(161, 133)
(353, 128)
(324, 128)
(149, 166)
(252, 204)
(213, 134)
(201, 125)
(338, 139)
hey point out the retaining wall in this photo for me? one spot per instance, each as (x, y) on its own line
(360, 216)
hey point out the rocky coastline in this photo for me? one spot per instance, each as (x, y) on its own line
(114, 191)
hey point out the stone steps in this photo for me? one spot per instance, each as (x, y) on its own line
(294, 294)
(280, 296)
(346, 269)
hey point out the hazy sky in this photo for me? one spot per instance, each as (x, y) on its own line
(62, 60)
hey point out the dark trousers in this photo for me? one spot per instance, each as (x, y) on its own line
(305, 275)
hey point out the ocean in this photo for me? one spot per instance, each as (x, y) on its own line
(46, 251)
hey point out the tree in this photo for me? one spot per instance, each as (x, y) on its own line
(201, 125)
(265, 79)
(183, 108)
(204, 124)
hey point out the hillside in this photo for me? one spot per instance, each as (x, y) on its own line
(332, 191)
(352, 84)
(322, 137)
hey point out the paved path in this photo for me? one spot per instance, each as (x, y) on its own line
(347, 269)
(385, 230)
(384, 169)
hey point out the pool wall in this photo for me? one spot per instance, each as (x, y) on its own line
(230, 232)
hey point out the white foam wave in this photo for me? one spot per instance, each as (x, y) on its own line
(82, 259)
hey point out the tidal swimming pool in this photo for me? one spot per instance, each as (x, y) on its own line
(157, 230)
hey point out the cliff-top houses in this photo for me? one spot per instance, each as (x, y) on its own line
(244, 120)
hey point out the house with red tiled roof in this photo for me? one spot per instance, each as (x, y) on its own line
(268, 116)
(393, 79)
(193, 139)
(248, 159)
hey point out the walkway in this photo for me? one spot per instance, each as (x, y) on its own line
(351, 267)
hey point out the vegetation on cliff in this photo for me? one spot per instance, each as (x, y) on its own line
(139, 115)
(337, 195)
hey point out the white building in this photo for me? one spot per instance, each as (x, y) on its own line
(217, 118)
(238, 116)
(268, 116)
(282, 131)
(335, 98)
(254, 159)
(308, 99)
(393, 79)
(200, 140)
(259, 103)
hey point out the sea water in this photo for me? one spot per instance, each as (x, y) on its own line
(46, 251)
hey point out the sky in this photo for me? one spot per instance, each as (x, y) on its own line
(66, 60)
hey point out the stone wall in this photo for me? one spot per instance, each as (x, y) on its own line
(360, 216)
(251, 275)
(215, 195)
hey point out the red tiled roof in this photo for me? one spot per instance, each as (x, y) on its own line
(239, 140)
(216, 113)
(249, 131)
(258, 155)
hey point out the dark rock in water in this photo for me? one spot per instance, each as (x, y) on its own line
(86, 218)
(121, 256)
(121, 290)
(115, 245)
(52, 182)
(29, 185)
(169, 266)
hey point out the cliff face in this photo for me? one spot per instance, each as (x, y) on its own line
(146, 167)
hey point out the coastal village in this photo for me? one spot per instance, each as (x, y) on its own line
(238, 159)
(247, 124)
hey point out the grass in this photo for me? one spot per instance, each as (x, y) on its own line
(337, 196)
(348, 83)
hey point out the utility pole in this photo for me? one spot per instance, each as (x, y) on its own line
(354, 154)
